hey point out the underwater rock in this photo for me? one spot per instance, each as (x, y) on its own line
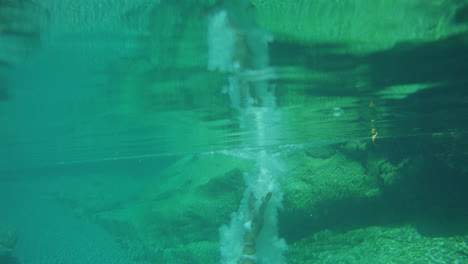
(377, 245)
(321, 152)
(313, 180)
(231, 181)
(320, 193)
(355, 148)
(450, 149)
(196, 252)
(390, 173)
(178, 213)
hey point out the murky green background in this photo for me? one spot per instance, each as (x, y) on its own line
(118, 145)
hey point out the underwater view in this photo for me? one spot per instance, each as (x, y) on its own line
(234, 131)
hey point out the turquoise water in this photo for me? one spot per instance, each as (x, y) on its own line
(265, 132)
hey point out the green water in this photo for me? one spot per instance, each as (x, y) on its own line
(121, 144)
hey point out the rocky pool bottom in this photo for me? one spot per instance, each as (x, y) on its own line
(396, 201)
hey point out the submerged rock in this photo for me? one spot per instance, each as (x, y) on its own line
(378, 245)
(351, 187)
(175, 217)
(314, 180)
